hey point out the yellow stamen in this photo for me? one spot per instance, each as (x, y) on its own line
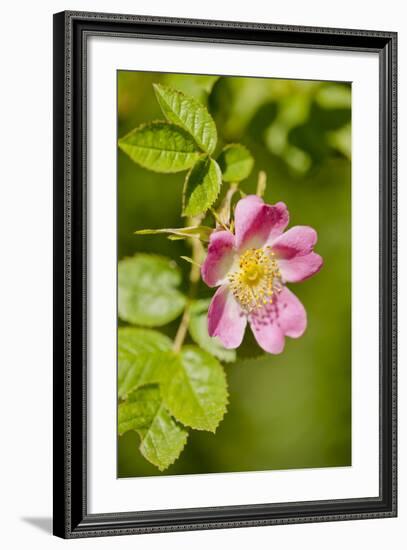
(256, 279)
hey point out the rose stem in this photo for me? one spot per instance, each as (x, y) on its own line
(194, 275)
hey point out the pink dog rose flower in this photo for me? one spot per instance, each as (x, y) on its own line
(251, 268)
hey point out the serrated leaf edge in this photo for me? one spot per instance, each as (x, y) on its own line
(184, 210)
(161, 406)
(224, 411)
(160, 98)
(139, 329)
(166, 123)
(186, 434)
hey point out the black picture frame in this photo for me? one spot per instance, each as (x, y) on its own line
(71, 519)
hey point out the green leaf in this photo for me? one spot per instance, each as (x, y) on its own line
(141, 355)
(198, 329)
(188, 113)
(162, 439)
(199, 231)
(202, 186)
(148, 293)
(236, 162)
(160, 147)
(194, 389)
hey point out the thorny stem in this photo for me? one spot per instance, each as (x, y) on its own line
(194, 275)
(223, 219)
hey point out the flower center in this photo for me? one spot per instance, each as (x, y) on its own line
(257, 278)
(251, 272)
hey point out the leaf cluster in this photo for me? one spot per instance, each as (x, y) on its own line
(163, 392)
(186, 141)
(165, 389)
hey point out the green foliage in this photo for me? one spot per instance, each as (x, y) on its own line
(198, 329)
(186, 142)
(141, 354)
(162, 439)
(161, 147)
(194, 389)
(235, 162)
(155, 383)
(188, 113)
(148, 293)
(202, 187)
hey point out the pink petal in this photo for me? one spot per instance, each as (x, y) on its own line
(286, 316)
(219, 258)
(296, 259)
(297, 240)
(300, 268)
(226, 319)
(257, 223)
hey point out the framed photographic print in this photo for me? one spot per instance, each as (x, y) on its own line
(224, 274)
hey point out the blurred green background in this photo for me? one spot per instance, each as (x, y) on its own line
(292, 410)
